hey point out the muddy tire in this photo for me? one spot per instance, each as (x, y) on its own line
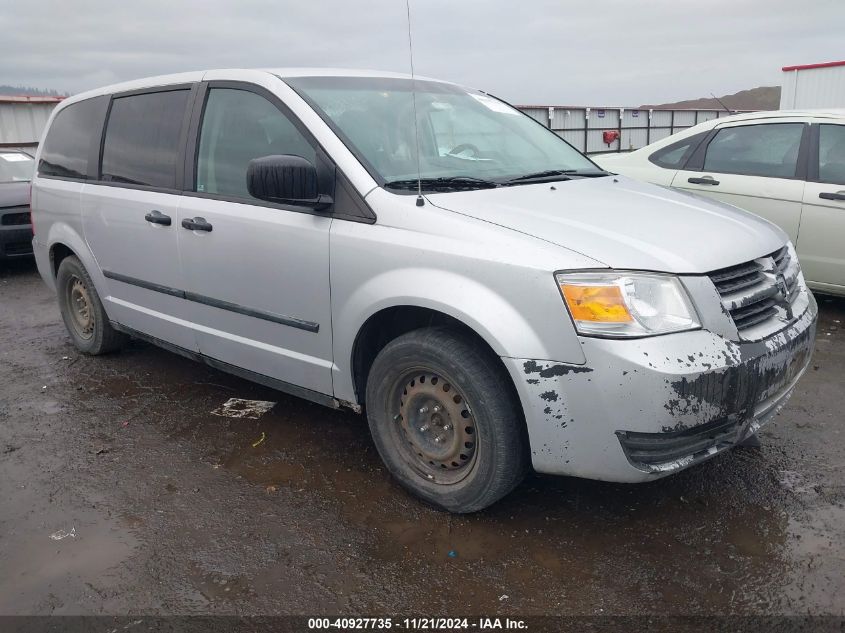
(82, 311)
(445, 420)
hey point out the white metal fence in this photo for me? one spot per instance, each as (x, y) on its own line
(585, 127)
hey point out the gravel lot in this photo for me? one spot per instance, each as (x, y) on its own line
(165, 508)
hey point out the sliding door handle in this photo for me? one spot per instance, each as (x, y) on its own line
(196, 224)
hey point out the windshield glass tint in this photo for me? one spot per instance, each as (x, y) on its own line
(462, 134)
(16, 167)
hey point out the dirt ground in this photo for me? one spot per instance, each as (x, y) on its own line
(121, 494)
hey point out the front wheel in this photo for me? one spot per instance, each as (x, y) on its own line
(82, 311)
(445, 419)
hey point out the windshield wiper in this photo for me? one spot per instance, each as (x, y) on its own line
(592, 173)
(448, 182)
(556, 174)
(550, 174)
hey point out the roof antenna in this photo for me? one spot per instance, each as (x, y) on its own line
(722, 103)
(420, 200)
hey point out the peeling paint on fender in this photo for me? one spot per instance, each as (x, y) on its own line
(550, 370)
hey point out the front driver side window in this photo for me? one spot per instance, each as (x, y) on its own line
(238, 126)
(756, 150)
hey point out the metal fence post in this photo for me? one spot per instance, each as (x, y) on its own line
(619, 129)
(586, 128)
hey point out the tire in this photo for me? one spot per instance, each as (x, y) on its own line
(82, 311)
(419, 385)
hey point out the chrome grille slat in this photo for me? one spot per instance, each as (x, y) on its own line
(757, 313)
(738, 302)
(727, 274)
(739, 283)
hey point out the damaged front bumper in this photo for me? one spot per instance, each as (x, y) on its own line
(644, 408)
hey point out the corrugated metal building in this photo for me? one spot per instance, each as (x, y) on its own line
(813, 86)
(22, 120)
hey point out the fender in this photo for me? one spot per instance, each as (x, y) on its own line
(495, 318)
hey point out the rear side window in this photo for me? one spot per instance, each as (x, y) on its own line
(676, 155)
(238, 126)
(756, 150)
(70, 138)
(832, 154)
(141, 146)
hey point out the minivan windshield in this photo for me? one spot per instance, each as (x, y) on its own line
(467, 139)
(16, 167)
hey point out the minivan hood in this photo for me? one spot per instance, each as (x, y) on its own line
(624, 223)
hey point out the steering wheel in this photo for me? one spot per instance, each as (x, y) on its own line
(459, 149)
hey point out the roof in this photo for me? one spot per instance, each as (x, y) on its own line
(194, 76)
(827, 113)
(338, 72)
(810, 66)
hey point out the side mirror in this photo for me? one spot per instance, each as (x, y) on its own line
(286, 179)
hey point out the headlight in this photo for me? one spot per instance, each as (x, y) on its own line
(621, 305)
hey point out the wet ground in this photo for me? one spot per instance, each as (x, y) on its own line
(121, 493)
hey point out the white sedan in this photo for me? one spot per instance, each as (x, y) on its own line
(786, 166)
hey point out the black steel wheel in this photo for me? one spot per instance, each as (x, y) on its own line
(446, 420)
(436, 429)
(82, 311)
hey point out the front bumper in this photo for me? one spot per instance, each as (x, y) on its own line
(640, 409)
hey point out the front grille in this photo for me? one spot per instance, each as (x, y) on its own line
(649, 450)
(15, 219)
(18, 248)
(751, 292)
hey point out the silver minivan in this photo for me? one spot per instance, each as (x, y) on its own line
(426, 254)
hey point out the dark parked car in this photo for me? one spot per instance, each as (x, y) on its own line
(16, 170)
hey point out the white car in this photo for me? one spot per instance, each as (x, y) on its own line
(786, 166)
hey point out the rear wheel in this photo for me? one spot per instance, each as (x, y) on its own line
(445, 419)
(82, 311)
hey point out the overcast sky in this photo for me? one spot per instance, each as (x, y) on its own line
(613, 52)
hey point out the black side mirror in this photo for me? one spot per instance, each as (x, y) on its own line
(287, 179)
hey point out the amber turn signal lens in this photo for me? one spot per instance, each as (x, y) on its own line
(596, 303)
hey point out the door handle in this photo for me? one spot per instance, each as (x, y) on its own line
(832, 196)
(157, 217)
(196, 224)
(707, 180)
